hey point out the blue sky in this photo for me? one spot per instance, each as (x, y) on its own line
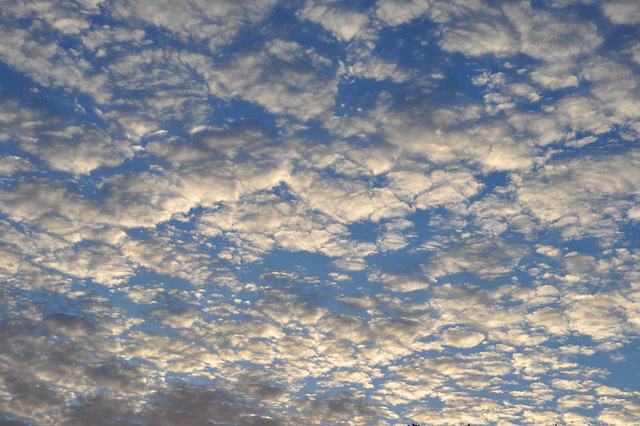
(319, 212)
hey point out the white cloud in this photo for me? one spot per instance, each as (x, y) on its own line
(461, 338)
(550, 37)
(101, 263)
(343, 23)
(49, 65)
(346, 200)
(599, 317)
(486, 258)
(377, 69)
(626, 12)
(77, 149)
(144, 199)
(143, 294)
(269, 222)
(554, 321)
(397, 12)
(164, 256)
(582, 196)
(555, 76)
(176, 318)
(284, 78)
(403, 282)
(318, 211)
(11, 165)
(70, 25)
(480, 38)
(583, 114)
(213, 24)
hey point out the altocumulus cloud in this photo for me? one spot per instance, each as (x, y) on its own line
(319, 212)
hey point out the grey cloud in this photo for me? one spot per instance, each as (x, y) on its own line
(341, 407)
(38, 200)
(486, 258)
(176, 318)
(29, 398)
(176, 405)
(144, 199)
(196, 404)
(46, 371)
(121, 378)
(101, 410)
(69, 325)
(142, 294)
(233, 139)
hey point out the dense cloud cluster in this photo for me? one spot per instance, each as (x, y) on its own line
(319, 212)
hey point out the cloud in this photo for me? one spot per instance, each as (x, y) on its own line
(375, 68)
(68, 325)
(176, 318)
(476, 256)
(61, 143)
(345, 24)
(599, 318)
(49, 65)
(394, 12)
(284, 78)
(318, 212)
(342, 406)
(479, 38)
(346, 200)
(537, 33)
(214, 25)
(547, 36)
(160, 255)
(36, 200)
(579, 189)
(623, 12)
(403, 282)
(461, 338)
(553, 320)
(11, 165)
(142, 294)
(78, 150)
(179, 404)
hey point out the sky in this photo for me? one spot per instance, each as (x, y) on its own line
(319, 212)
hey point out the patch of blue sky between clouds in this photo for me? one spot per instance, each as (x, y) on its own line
(320, 212)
